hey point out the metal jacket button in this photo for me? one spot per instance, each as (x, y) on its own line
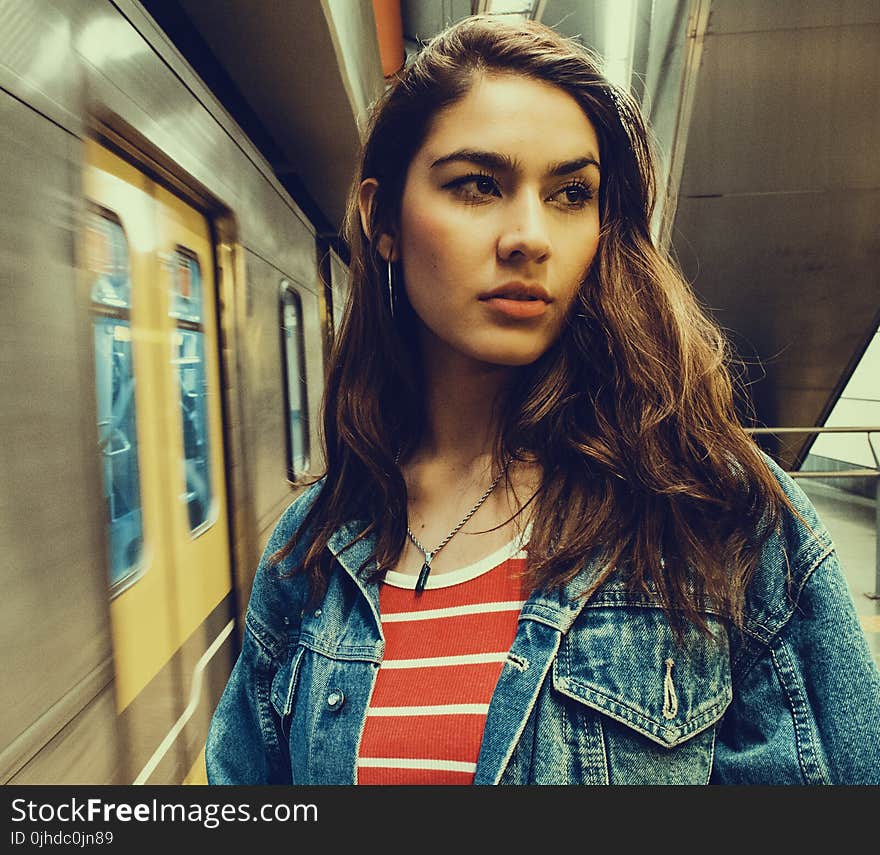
(318, 613)
(335, 699)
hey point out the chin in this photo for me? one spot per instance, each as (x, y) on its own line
(511, 358)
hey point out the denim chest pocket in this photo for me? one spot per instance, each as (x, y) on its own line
(651, 702)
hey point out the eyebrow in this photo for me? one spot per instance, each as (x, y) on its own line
(503, 163)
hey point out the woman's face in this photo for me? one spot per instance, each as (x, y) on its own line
(500, 220)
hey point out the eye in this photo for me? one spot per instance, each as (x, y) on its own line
(475, 187)
(575, 195)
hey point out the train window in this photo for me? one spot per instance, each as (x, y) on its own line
(186, 297)
(110, 280)
(189, 359)
(296, 412)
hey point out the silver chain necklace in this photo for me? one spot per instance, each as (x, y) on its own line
(429, 554)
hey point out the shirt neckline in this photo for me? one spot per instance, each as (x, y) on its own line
(514, 548)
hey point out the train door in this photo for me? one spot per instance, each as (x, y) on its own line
(151, 267)
(199, 520)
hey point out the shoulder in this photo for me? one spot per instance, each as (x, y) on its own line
(801, 503)
(795, 548)
(279, 591)
(801, 533)
(293, 517)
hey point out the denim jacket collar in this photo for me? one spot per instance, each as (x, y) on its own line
(557, 609)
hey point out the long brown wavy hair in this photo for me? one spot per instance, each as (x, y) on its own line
(630, 413)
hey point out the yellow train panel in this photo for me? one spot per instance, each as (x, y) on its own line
(202, 556)
(144, 629)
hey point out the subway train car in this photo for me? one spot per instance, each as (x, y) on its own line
(167, 311)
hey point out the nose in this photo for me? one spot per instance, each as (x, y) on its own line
(524, 229)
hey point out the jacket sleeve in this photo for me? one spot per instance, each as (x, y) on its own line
(806, 707)
(246, 743)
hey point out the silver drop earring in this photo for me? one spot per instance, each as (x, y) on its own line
(390, 289)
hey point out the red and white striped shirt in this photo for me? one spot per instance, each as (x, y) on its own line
(444, 651)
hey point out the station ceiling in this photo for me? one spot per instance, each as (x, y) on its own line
(767, 117)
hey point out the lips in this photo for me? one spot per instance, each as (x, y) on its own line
(517, 300)
(520, 291)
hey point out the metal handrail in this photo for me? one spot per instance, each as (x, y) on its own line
(844, 473)
(814, 429)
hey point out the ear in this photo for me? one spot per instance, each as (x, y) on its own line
(366, 195)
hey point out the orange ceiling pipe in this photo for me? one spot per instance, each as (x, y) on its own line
(389, 29)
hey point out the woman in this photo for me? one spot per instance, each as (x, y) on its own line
(544, 551)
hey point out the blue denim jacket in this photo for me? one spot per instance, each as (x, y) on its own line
(587, 695)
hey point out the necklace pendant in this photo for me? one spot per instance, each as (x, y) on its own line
(423, 575)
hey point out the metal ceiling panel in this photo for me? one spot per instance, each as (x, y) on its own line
(797, 111)
(422, 21)
(742, 16)
(289, 62)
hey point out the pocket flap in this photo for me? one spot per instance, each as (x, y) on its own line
(625, 662)
(284, 683)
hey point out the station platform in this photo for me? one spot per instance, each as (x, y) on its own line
(851, 521)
